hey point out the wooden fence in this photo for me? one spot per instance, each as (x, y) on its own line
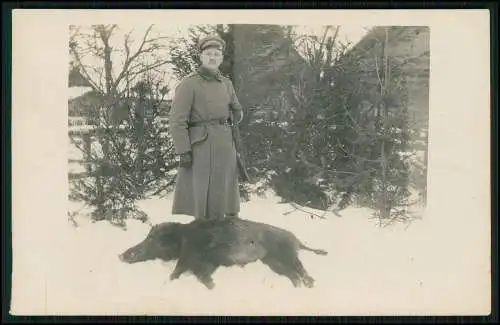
(81, 131)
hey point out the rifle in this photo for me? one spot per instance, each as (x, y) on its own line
(237, 144)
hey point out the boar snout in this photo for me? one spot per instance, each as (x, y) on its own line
(132, 255)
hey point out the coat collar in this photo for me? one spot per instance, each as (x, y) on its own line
(209, 75)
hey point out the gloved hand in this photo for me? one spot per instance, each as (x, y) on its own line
(186, 160)
(237, 116)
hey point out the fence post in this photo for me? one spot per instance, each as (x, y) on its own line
(87, 145)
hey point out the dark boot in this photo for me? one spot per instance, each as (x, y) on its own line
(232, 215)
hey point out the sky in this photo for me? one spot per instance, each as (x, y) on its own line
(352, 32)
(347, 33)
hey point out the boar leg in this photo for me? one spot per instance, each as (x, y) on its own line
(290, 259)
(299, 267)
(180, 267)
(184, 263)
(278, 267)
(203, 271)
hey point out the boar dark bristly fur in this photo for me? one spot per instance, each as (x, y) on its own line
(162, 242)
(202, 246)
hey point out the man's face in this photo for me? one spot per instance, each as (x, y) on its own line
(211, 58)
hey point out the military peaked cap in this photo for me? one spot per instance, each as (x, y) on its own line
(211, 41)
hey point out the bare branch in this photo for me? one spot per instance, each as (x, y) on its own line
(377, 70)
(336, 35)
(127, 47)
(84, 71)
(133, 74)
(312, 214)
(330, 47)
(94, 69)
(161, 189)
(130, 59)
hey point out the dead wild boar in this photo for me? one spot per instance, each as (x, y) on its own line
(202, 246)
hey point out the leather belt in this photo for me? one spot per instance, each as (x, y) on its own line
(225, 122)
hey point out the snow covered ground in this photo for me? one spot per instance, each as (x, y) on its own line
(369, 270)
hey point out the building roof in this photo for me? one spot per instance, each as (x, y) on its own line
(396, 35)
(76, 79)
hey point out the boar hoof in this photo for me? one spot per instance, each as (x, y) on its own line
(308, 282)
(296, 283)
(209, 284)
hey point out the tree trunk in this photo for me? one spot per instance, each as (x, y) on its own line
(108, 114)
(385, 208)
(140, 113)
(108, 64)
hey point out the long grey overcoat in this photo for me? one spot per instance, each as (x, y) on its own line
(209, 188)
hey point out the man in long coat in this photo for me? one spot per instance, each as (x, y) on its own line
(207, 179)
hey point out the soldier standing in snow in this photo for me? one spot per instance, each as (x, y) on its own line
(207, 179)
